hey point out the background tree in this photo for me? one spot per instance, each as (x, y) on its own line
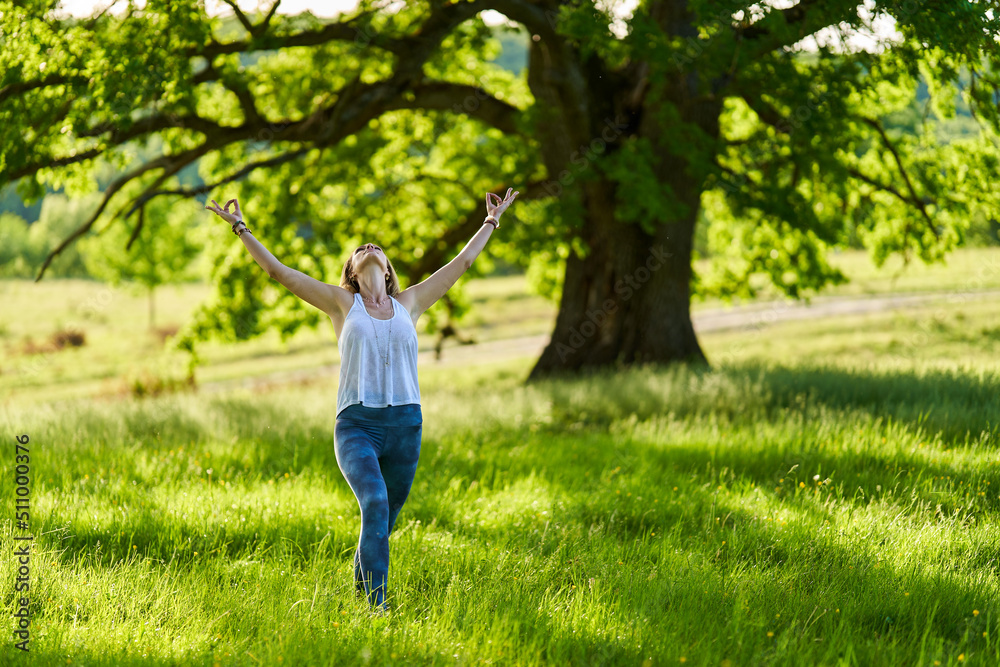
(23, 246)
(389, 126)
(162, 253)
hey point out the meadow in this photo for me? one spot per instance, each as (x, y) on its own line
(826, 494)
(121, 351)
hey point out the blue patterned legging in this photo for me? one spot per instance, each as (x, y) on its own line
(377, 450)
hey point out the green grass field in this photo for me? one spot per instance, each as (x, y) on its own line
(828, 494)
(964, 270)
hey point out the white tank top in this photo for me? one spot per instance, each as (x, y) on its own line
(364, 376)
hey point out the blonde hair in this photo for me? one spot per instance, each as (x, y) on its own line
(349, 282)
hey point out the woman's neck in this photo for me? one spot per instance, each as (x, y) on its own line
(372, 287)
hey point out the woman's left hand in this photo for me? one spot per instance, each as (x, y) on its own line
(495, 207)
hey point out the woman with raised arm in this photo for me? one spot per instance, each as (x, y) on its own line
(379, 422)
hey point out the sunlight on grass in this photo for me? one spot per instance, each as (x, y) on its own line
(623, 518)
(827, 494)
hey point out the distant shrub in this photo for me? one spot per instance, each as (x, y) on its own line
(58, 340)
(68, 338)
(147, 385)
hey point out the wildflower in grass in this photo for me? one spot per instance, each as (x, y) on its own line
(975, 612)
(770, 634)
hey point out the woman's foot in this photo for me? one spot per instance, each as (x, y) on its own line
(381, 609)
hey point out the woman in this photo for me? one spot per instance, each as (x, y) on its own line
(379, 422)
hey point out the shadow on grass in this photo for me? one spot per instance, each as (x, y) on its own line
(824, 564)
(953, 405)
(793, 569)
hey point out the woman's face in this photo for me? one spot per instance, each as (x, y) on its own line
(370, 249)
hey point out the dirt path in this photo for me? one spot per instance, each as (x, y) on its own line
(758, 314)
(750, 316)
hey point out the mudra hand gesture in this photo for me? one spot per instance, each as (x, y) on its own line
(495, 207)
(234, 219)
(231, 218)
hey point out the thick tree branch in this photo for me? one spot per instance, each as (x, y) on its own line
(470, 100)
(119, 137)
(784, 27)
(147, 196)
(536, 18)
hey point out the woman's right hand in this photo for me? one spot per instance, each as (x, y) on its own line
(232, 218)
(495, 207)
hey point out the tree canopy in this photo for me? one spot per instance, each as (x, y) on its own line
(390, 123)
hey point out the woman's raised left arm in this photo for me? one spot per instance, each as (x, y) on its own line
(426, 293)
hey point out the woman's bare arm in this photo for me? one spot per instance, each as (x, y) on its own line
(425, 294)
(312, 291)
(262, 255)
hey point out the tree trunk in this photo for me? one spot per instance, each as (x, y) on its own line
(628, 301)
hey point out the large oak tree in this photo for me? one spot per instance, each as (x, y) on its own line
(390, 123)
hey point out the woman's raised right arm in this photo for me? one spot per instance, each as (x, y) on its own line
(312, 291)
